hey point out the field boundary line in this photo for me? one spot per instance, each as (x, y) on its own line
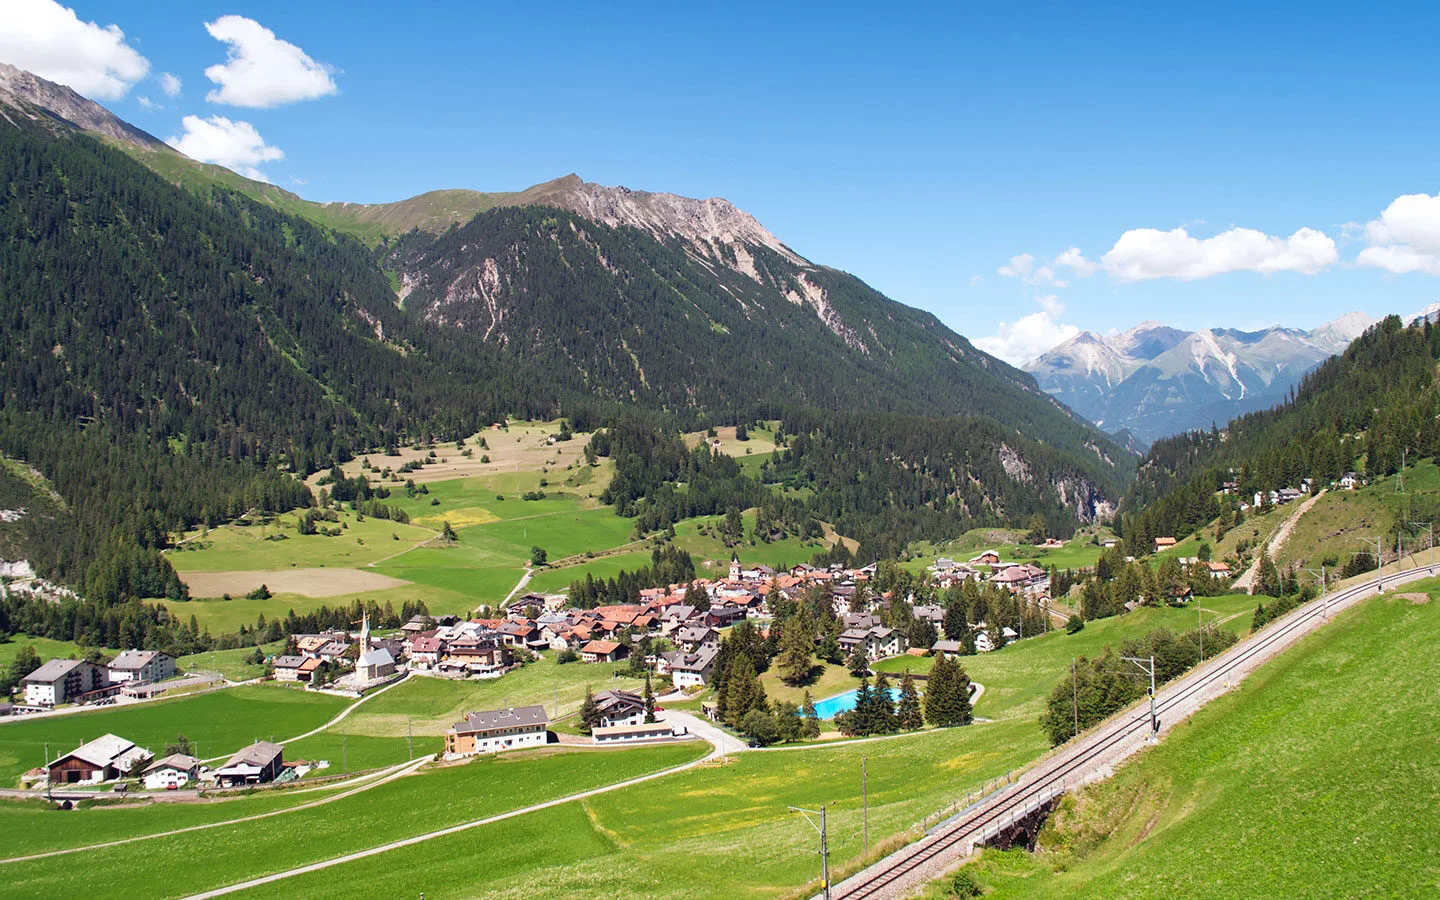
(404, 768)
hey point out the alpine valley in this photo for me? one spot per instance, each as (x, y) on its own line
(1153, 381)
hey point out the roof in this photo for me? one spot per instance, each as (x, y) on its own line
(259, 754)
(133, 659)
(290, 662)
(379, 657)
(602, 647)
(174, 761)
(102, 751)
(489, 720)
(698, 661)
(53, 671)
(947, 646)
(425, 645)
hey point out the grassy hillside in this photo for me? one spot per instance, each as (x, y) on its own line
(1287, 786)
(370, 222)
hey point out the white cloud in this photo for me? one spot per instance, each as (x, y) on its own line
(235, 145)
(1074, 259)
(1021, 341)
(263, 70)
(169, 84)
(1406, 237)
(1145, 253)
(51, 41)
(147, 104)
(1023, 267)
(976, 279)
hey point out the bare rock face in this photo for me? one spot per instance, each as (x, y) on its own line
(32, 97)
(703, 223)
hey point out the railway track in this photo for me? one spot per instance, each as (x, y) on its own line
(1092, 752)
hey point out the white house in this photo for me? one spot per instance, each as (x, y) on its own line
(174, 771)
(499, 729)
(692, 669)
(629, 734)
(140, 666)
(61, 680)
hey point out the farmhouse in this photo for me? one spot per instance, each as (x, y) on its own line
(629, 734)
(692, 637)
(295, 668)
(495, 730)
(602, 651)
(62, 680)
(103, 759)
(174, 771)
(1164, 543)
(140, 666)
(987, 558)
(259, 763)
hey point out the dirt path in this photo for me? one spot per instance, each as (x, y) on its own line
(519, 586)
(1277, 540)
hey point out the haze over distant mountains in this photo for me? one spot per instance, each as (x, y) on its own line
(1153, 380)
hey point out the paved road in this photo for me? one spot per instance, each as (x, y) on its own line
(1094, 755)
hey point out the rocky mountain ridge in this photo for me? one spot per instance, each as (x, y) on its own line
(1153, 380)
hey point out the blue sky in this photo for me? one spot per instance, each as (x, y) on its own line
(920, 149)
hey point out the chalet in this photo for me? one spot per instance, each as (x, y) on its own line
(495, 730)
(948, 648)
(1164, 543)
(374, 665)
(62, 680)
(693, 637)
(620, 708)
(988, 558)
(104, 759)
(691, 669)
(140, 666)
(477, 656)
(288, 668)
(1218, 569)
(174, 771)
(932, 613)
(425, 651)
(1025, 577)
(676, 616)
(944, 564)
(1288, 495)
(875, 642)
(416, 625)
(633, 733)
(724, 616)
(1349, 481)
(602, 651)
(259, 763)
(1109, 543)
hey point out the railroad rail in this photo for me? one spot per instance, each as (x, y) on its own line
(1088, 756)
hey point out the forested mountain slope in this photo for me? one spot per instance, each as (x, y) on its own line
(1371, 404)
(177, 356)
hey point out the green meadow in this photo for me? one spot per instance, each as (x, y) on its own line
(446, 795)
(1314, 778)
(280, 545)
(221, 721)
(45, 647)
(233, 664)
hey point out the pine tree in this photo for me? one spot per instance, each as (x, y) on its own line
(862, 717)
(907, 712)
(947, 694)
(955, 623)
(857, 663)
(883, 707)
(589, 712)
(795, 661)
(649, 701)
(810, 726)
(743, 691)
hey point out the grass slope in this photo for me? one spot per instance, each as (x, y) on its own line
(221, 721)
(1314, 778)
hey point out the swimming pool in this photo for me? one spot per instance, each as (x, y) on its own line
(831, 707)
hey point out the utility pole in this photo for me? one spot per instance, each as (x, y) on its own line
(1379, 563)
(1147, 665)
(824, 845)
(865, 801)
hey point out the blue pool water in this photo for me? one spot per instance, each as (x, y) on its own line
(831, 707)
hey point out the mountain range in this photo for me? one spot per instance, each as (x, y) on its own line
(182, 340)
(1152, 380)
